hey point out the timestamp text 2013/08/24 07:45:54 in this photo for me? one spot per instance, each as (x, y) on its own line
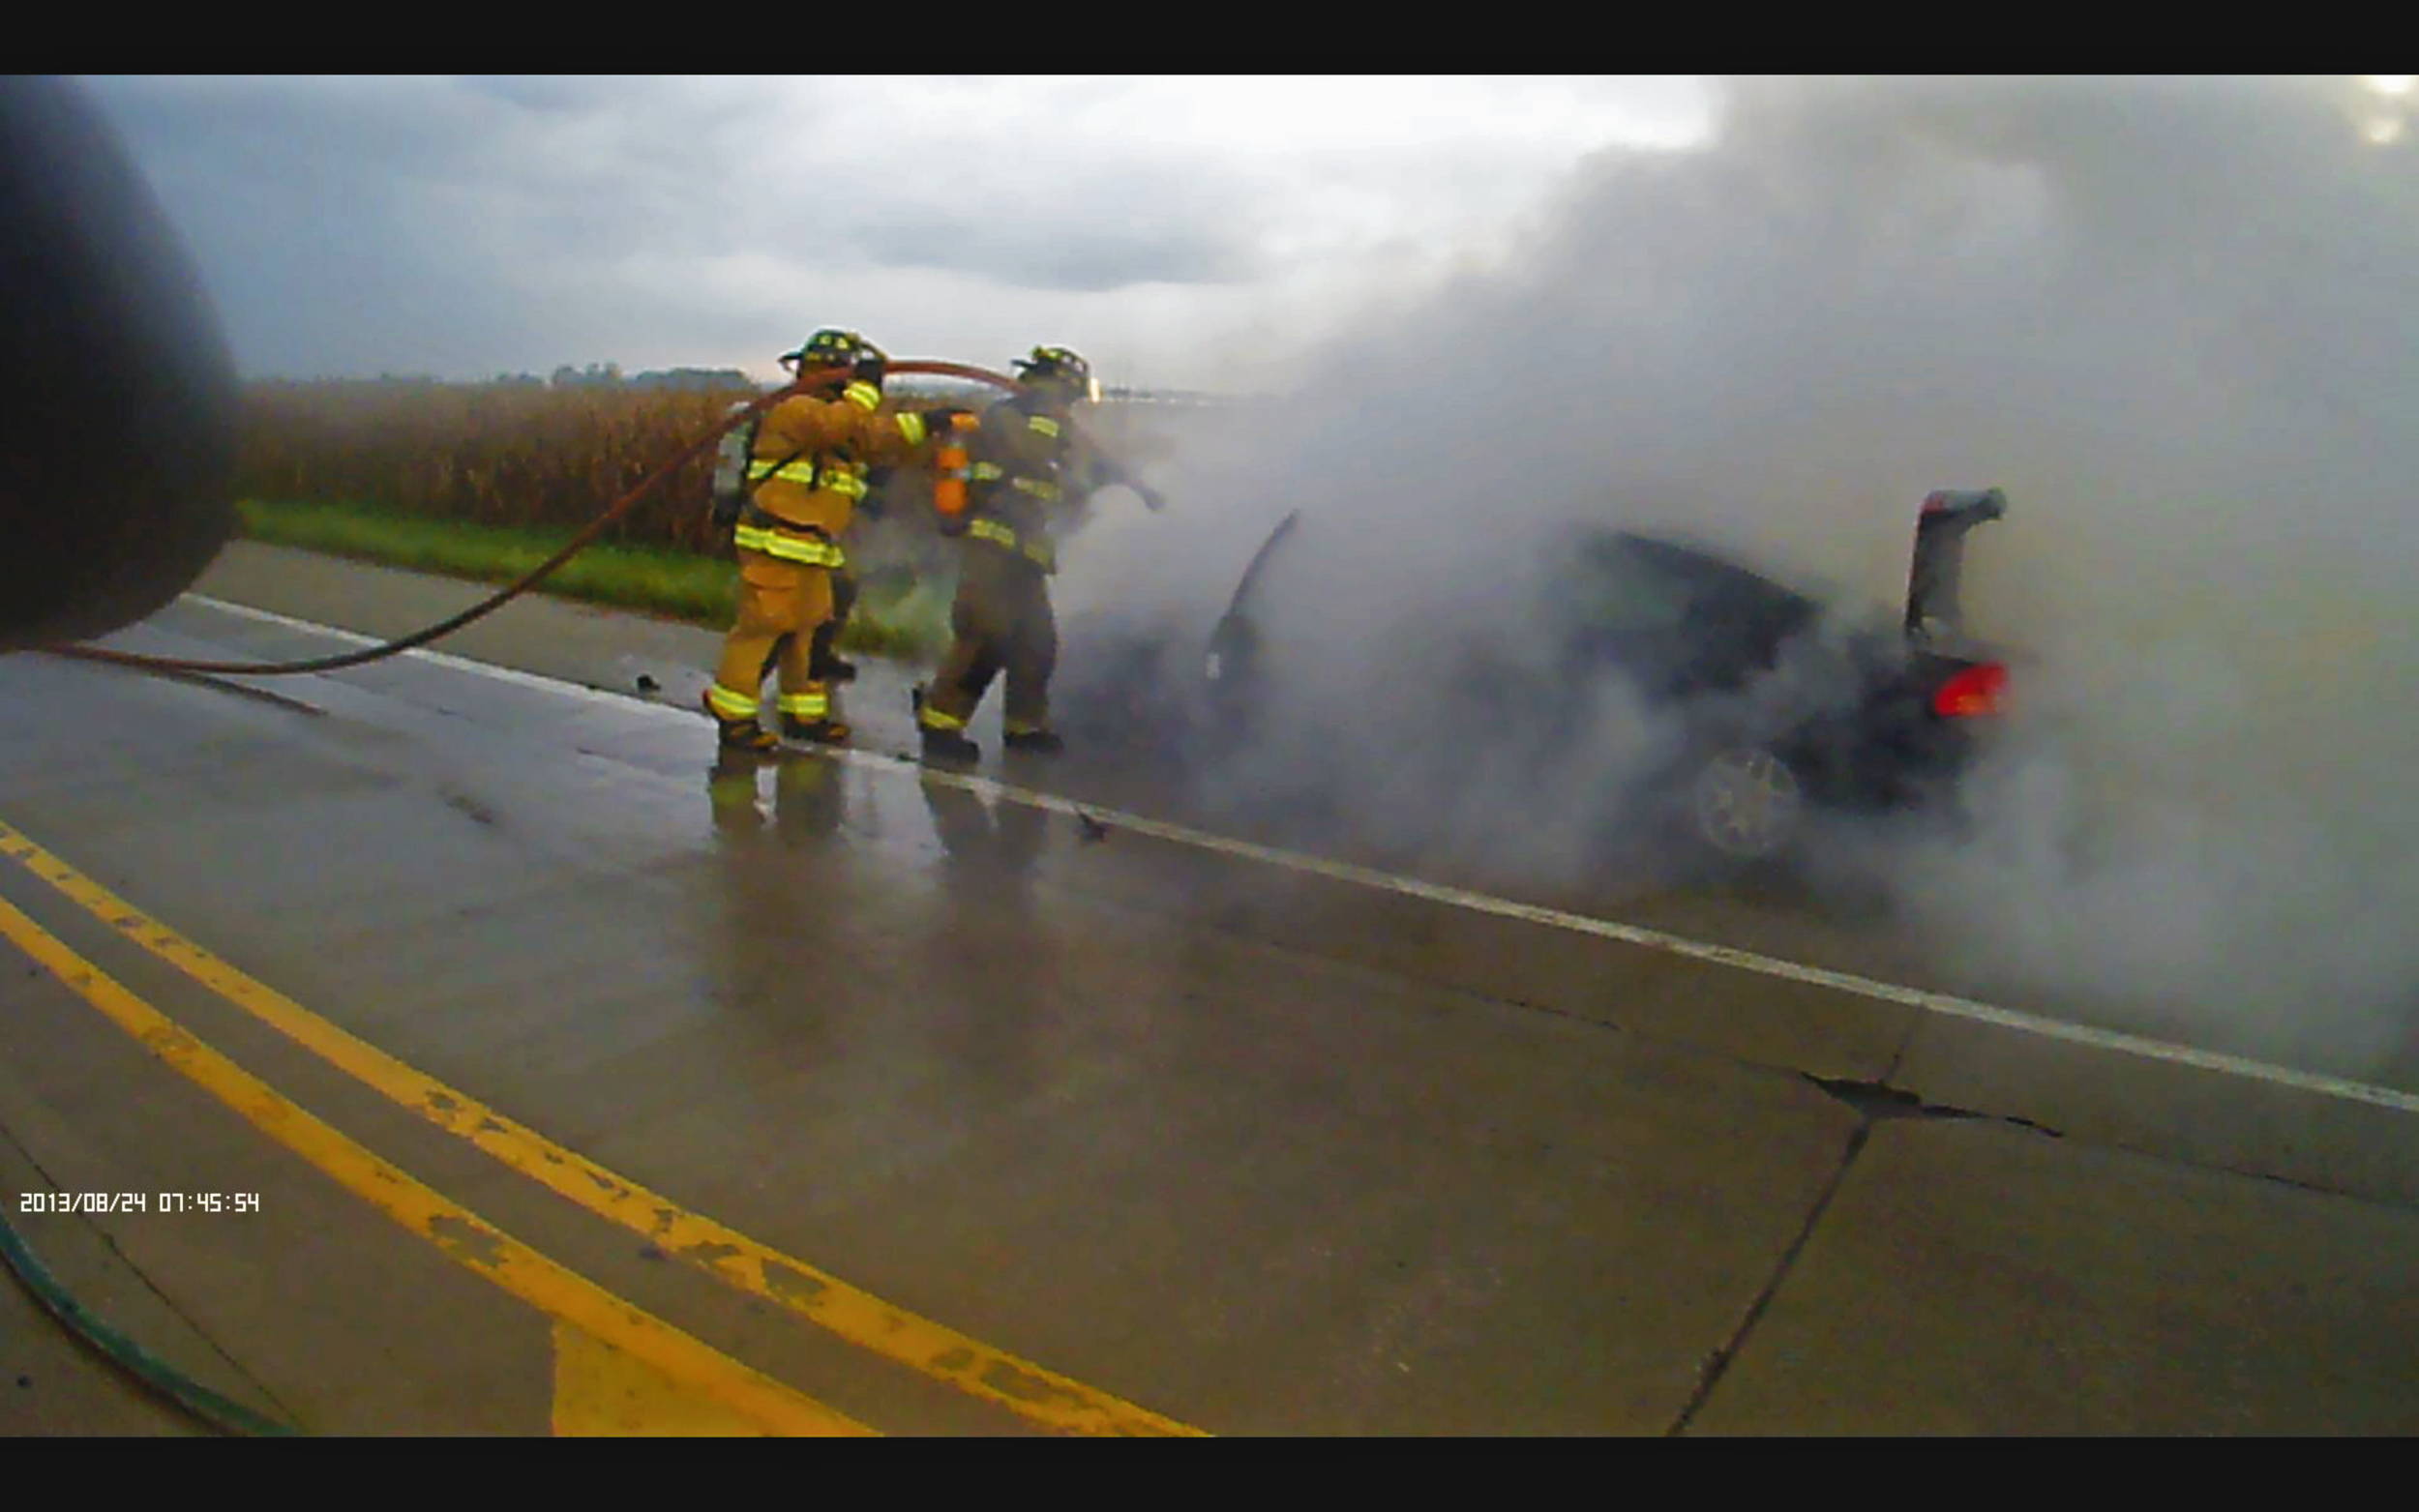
(138, 1202)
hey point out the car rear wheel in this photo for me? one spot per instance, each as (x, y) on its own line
(1747, 804)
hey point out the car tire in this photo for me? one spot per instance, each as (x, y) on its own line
(1747, 804)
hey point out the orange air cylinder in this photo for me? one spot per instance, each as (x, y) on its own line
(950, 468)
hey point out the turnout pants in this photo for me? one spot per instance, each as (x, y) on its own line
(781, 605)
(1001, 621)
(823, 655)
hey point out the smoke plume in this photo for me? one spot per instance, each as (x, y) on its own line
(2177, 321)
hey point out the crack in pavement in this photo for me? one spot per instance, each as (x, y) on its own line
(1717, 1363)
(1875, 1102)
(1879, 1100)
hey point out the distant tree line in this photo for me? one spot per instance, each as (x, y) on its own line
(609, 376)
(595, 375)
(725, 380)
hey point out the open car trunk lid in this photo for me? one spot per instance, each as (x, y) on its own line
(1934, 617)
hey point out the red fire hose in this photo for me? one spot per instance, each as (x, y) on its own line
(536, 575)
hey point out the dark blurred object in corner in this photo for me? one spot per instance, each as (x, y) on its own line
(117, 442)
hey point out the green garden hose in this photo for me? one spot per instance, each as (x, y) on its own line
(228, 1418)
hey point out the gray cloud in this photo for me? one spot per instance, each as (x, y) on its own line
(1080, 255)
(507, 222)
(552, 94)
(460, 227)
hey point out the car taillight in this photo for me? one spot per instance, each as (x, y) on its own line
(1976, 690)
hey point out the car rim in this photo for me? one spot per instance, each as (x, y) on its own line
(1746, 802)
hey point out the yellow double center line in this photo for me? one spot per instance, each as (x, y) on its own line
(1038, 1395)
(461, 1233)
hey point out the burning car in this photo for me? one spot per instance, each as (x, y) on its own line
(1773, 709)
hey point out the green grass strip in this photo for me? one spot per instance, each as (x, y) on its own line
(902, 619)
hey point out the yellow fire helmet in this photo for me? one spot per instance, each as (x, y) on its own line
(831, 347)
(1056, 367)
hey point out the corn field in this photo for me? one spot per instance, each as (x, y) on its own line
(512, 455)
(519, 454)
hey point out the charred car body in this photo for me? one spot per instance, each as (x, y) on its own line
(1772, 707)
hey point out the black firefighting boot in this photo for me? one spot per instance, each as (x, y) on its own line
(948, 745)
(824, 663)
(824, 732)
(1039, 742)
(740, 735)
(942, 745)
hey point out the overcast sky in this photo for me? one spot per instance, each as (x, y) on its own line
(1183, 232)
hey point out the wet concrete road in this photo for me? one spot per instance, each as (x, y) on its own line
(1132, 1128)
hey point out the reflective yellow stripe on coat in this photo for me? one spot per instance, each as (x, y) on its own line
(836, 478)
(994, 531)
(803, 550)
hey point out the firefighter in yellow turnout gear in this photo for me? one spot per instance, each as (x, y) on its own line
(1028, 468)
(806, 477)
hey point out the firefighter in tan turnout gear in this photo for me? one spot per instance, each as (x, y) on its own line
(805, 478)
(1027, 469)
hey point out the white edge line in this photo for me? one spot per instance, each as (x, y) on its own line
(1942, 1003)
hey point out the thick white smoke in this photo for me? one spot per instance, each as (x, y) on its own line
(2178, 322)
